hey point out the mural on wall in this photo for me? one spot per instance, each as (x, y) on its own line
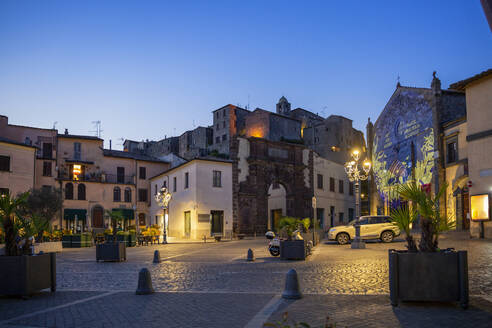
(403, 134)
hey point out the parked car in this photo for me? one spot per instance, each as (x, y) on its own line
(371, 227)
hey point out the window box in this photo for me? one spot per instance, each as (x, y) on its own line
(25, 275)
(433, 277)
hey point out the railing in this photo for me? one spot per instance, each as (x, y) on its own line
(100, 177)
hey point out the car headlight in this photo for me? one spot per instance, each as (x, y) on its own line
(333, 230)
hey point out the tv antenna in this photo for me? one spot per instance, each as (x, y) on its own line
(323, 113)
(54, 125)
(97, 127)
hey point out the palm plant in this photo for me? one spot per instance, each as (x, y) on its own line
(14, 224)
(115, 217)
(432, 223)
(289, 224)
(403, 217)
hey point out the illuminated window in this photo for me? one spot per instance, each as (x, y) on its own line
(77, 172)
(480, 207)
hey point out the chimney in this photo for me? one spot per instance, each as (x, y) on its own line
(109, 144)
(66, 131)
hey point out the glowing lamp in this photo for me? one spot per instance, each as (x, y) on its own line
(480, 207)
(77, 170)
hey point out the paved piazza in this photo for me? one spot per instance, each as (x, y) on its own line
(211, 285)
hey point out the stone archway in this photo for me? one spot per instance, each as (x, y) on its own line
(262, 163)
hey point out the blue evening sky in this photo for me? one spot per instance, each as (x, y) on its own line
(147, 69)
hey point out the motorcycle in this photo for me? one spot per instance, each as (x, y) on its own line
(273, 244)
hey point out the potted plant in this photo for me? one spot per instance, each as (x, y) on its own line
(294, 246)
(21, 272)
(424, 272)
(113, 250)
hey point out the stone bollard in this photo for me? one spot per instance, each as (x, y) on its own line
(292, 291)
(144, 283)
(157, 256)
(251, 255)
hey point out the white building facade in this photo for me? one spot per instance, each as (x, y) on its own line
(335, 194)
(201, 203)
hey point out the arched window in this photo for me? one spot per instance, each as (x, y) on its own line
(128, 195)
(69, 191)
(81, 191)
(116, 194)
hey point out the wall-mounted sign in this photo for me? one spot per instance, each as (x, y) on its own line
(479, 205)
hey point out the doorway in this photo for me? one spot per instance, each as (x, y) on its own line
(465, 201)
(275, 217)
(141, 219)
(187, 224)
(97, 217)
(217, 224)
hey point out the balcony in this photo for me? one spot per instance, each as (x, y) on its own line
(99, 177)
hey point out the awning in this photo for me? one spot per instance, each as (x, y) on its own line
(128, 214)
(70, 213)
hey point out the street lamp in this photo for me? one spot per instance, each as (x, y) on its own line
(355, 174)
(162, 198)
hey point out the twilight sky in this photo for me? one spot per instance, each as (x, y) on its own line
(147, 69)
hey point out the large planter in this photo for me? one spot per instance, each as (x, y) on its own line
(129, 239)
(48, 247)
(115, 252)
(25, 275)
(77, 240)
(434, 277)
(292, 249)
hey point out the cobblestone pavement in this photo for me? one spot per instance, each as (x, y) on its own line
(211, 285)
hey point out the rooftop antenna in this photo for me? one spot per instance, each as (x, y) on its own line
(97, 127)
(398, 81)
(323, 113)
(54, 125)
(247, 107)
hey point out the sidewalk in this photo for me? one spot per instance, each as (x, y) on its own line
(214, 309)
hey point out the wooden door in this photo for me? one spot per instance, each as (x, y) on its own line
(97, 217)
(187, 224)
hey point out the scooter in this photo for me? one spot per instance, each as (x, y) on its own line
(273, 244)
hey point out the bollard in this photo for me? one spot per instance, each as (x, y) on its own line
(292, 291)
(251, 255)
(157, 256)
(144, 283)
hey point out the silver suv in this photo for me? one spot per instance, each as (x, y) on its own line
(371, 227)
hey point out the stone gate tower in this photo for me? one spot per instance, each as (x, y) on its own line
(283, 107)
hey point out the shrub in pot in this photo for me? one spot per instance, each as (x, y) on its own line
(22, 273)
(424, 272)
(293, 247)
(112, 250)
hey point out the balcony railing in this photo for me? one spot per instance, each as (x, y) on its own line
(99, 177)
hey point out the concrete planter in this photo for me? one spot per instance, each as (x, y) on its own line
(292, 249)
(48, 247)
(433, 277)
(115, 252)
(25, 275)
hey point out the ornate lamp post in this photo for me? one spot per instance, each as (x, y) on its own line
(162, 198)
(355, 174)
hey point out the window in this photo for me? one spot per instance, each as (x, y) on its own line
(155, 189)
(116, 194)
(81, 192)
(46, 169)
(77, 150)
(340, 215)
(351, 214)
(47, 150)
(218, 126)
(77, 172)
(332, 184)
(120, 174)
(164, 184)
(128, 195)
(187, 180)
(351, 188)
(5, 163)
(69, 191)
(340, 186)
(142, 195)
(217, 140)
(320, 181)
(452, 151)
(223, 124)
(174, 184)
(142, 172)
(364, 221)
(224, 137)
(217, 182)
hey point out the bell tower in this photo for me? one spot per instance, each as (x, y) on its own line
(283, 106)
